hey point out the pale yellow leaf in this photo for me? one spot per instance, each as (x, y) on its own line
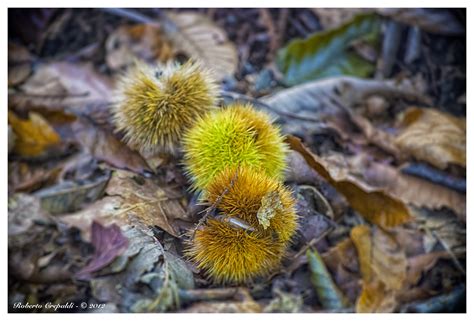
(433, 136)
(34, 136)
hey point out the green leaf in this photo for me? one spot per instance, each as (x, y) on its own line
(326, 54)
(328, 293)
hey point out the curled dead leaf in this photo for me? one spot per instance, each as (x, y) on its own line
(372, 202)
(433, 136)
(104, 146)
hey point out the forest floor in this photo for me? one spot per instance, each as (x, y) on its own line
(373, 106)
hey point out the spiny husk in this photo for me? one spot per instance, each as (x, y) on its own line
(235, 135)
(156, 104)
(230, 254)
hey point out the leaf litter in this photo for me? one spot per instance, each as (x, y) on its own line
(91, 220)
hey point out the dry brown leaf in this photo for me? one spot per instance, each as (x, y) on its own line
(19, 64)
(407, 188)
(375, 298)
(104, 146)
(373, 203)
(69, 79)
(361, 237)
(381, 258)
(344, 268)
(107, 210)
(143, 41)
(157, 205)
(200, 39)
(34, 136)
(383, 265)
(24, 177)
(132, 198)
(433, 136)
(369, 175)
(420, 264)
(444, 228)
(61, 85)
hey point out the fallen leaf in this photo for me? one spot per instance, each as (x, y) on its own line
(107, 210)
(70, 196)
(61, 86)
(270, 205)
(132, 198)
(108, 243)
(375, 298)
(34, 136)
(19, 64)
(380, 257)
(143, 41)
(339, 259)
(433, 136)
(383, 266)
(410, 189)
(145, 268)
(246, 304)
(420, 264)
(200, 39)
(370, 175)
(25, 177)
(372, 202)
(444, 228)
(104, 146)
(324, 54)
(326, 106)
(328, 293)
(156, 205)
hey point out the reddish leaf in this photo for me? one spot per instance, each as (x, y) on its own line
(109, 242)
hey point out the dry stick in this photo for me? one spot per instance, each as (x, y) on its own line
(259, 103)
(313, 242)
(217, 202)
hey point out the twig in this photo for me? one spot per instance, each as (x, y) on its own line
(258, 103)
(312, 243)
(216, 203)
